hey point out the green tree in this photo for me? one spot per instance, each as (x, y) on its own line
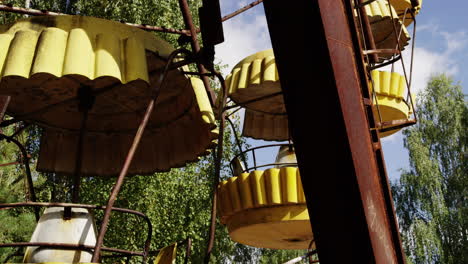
(178, 202)
(431, 197)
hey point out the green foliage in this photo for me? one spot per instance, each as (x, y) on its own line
(13, 189)
(178, 202)
(432, 196)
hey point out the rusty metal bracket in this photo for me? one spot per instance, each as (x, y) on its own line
(241, 10)
(184, 8)
(350, 209)
(128, 160)
(143, 253)
(381, 51)
(26, 161)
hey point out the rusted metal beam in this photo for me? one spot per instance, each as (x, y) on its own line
(368, 35)
(184, 7)
(344, 181)
(217, 163)
(241, 10)
(69, 246)
(188, 250)
(4, 101)
(144, 253)
(31, 193)
(35, 12)
(128, 160)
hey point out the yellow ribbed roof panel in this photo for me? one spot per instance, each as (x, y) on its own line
(255, 77)
(404, 5)
(390, 90)
(380, 17)
(265, 126)
(46, 60)
(266, 209)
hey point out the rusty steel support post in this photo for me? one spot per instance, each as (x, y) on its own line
(188, 250)
(343, 174)
(184, 7)
(67, 213)
(24, 153)
(129, 158)
(239, 11)
(218, 160)
(120, 179)
(79, 160)
(368, 36)
(239, 146)
(4, 101)
(86, 102)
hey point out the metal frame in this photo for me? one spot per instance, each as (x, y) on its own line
(143, 253)
(190, 58)
(192, 32)
(255, 165)
(109, 208)
(25, 161)
(373, 60)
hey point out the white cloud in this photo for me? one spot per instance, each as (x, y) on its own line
(428, 62)
(244, 35)
(393, 139)
(242, 3)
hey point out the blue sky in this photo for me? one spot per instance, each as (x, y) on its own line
(441, 47)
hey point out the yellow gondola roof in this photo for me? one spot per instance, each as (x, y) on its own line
(266, 209)
(47, 60)
(380, 17)
(254, 77)
(390, 90)
(402, 5)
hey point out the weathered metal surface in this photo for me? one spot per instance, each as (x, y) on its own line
(184, 7)
(368, 36)
(4, 100)
(31, 195)
(266, 209)
(53, 228)
(217, 173)
(211, 26)
(144, 253)
(350, 210)
(129, 158)
(241, 10)
(68, 246)
(254, 84)
(188, 250)
(63, 55)
(389, 100)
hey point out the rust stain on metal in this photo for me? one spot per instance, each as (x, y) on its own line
(241, 10)
(352, 201)
(4, 100)
(143, 253)
(348, 86)
(184, 8)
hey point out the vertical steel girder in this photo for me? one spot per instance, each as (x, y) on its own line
(324, 83)
(4, 100)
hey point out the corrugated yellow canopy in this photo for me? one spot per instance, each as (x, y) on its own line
(47, 60)
(254, 77)
(266, 209)
(380, 17)
(401, 6)
(390, 89)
